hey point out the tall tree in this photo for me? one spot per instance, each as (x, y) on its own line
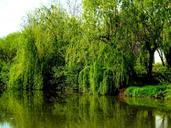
(151, 18)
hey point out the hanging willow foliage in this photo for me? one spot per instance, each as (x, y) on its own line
(25, 72)
(40, 49)
(102, 69)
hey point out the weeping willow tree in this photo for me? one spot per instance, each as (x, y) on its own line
(102, 54)
(41, 49)
(153, 15)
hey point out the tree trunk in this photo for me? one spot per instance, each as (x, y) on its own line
(161, 56)
(150, 65)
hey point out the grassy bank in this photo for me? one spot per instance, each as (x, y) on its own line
(155, 91)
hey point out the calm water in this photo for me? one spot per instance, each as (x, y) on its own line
(33, 110)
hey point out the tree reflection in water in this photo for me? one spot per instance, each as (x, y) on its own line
(35, 110)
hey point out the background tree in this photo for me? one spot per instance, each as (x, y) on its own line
(151, 17)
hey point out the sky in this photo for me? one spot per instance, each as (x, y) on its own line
(12, 13)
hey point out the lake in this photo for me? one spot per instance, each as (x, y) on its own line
(35, 110)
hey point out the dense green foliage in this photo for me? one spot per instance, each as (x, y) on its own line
(97, 52)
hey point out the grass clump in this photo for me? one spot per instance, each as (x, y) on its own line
(157, 91)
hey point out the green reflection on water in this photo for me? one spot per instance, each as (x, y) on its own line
(35, 110)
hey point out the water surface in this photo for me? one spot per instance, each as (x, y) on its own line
(35, 110)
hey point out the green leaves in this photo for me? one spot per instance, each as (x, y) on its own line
(95, 52)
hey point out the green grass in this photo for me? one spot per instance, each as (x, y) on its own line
(157, 91)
